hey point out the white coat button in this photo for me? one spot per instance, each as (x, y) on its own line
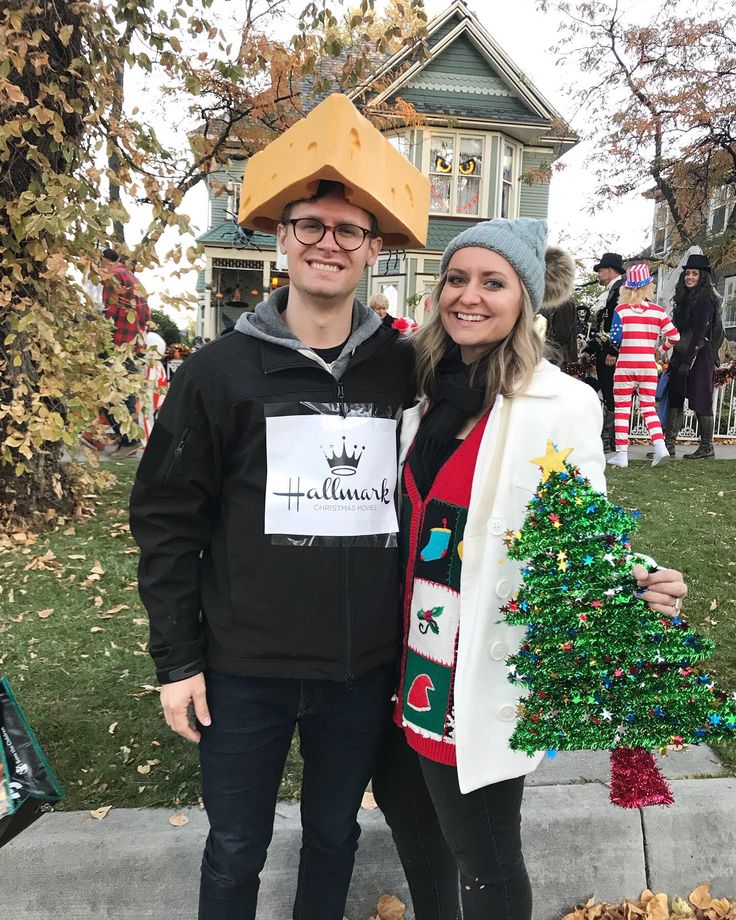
(503, 588)
(507, 713)
(495, 526)
(499, 651)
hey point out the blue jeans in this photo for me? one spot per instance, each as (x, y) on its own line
(242, 756)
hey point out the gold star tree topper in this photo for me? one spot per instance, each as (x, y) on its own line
(553, 460)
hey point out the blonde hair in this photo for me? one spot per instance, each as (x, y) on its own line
(510, 363)
(636, 295)
(378, 300)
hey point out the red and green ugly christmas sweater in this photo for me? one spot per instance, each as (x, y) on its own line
(433, 560)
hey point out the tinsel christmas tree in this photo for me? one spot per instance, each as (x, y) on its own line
(603, 670)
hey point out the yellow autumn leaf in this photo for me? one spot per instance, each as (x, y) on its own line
(700, 897)
(658, 908)
(390, 908)
(99, 813)
(178, 820)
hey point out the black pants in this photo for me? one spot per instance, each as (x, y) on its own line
(451, 842)
(242, 756)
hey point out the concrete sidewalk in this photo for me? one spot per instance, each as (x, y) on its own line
(134, 865)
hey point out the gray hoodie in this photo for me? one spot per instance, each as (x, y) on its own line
(267, 323)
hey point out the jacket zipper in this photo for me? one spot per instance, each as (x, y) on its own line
(346, 564)
(176, 460)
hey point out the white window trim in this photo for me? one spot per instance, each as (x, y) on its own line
(452, 132)
(722, 197)
(729, 302)
(515, 176)
(661, 206)
(406, 134)
(233, 199)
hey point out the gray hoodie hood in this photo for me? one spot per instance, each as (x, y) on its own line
(266, 323)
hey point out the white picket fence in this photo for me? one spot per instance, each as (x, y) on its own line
(724, 413)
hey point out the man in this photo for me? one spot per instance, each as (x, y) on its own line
(264, 508)
(126, 307)
(610, 270)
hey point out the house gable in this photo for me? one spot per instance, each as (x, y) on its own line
(460, 81)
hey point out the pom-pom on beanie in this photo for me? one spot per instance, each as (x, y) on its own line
(548, 273)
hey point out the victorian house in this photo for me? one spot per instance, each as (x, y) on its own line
(486, 138)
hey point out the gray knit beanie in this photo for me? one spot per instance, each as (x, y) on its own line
(548, 274)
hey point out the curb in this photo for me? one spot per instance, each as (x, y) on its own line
(134, 865)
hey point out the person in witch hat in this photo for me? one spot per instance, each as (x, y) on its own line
(697, 314)
(610, 269)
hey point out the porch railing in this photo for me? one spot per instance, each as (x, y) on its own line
(724, 413)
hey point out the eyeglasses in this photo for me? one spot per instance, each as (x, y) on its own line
(347, 236)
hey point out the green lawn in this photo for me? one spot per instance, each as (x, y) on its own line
(87, 684)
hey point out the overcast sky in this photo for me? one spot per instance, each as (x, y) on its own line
(526, 36)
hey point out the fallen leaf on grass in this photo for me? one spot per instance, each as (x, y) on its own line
(97, 568)
(112, 728)
(45, 614)
(369, 802)
(76, 556)
(98, 602)
(144, 769)
(178, 820)
(96, 629)
(118, 608)
(714, 604)
(391, 908)
(140, 621)
(69, 532)
(99, 813)
(131, 551)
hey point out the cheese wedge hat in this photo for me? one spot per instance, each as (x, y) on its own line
(336, 143)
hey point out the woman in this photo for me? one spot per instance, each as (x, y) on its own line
(697, 315)
(452, 794)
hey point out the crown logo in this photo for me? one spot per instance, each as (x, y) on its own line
(344, 464)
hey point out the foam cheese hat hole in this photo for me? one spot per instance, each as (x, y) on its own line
(336, 143)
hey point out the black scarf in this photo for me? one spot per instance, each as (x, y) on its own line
(453, 400)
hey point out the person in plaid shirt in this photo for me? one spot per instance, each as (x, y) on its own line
(127, 308)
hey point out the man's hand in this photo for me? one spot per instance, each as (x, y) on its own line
(664, 590)
(610, 360)
(175, 701)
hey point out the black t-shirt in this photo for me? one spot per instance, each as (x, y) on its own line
(329, 355)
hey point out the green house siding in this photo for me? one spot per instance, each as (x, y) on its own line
(362, 289)
(461, 79)
(534, 199)
(442, 231)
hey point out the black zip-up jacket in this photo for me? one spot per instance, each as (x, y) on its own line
(219, 593)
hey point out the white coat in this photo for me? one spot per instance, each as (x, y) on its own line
(554, 406)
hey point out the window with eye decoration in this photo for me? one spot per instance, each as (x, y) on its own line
(456, 172)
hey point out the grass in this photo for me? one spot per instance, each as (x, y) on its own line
(86, 682)
(83, 673)
(689, 522)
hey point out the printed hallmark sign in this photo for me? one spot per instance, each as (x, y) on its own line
(330, 476)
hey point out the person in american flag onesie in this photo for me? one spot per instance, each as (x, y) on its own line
(637, 326)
